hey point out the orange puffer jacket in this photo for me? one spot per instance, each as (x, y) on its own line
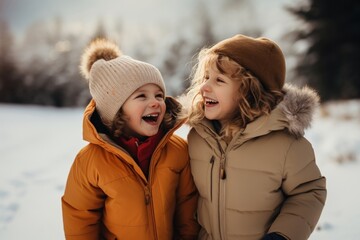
(108, 197)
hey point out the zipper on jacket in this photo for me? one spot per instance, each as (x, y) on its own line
(150, 208)
(212, 160)
(222, 172)
(222, 168)
(221, 198)
(147, 195)
(147, 199)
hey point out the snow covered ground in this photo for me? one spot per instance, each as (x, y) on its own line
(38, 145)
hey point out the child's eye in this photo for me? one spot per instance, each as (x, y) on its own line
(160, 95)
(140, 96)
(220, 80)
(206, 77)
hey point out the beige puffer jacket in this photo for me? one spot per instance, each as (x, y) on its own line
(265, 180)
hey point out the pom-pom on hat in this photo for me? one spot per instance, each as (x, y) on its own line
(261, 56)
(113, 77)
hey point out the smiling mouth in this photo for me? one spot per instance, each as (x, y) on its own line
(210, 102)
(151, 118)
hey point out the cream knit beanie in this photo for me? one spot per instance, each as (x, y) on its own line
(113, 77)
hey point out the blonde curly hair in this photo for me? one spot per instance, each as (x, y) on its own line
(254, 100)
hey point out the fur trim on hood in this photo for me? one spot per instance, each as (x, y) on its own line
(298, 107)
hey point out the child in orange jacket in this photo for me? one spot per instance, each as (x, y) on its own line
(133, 179)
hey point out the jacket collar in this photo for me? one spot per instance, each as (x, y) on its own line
(141, 151)
(294, 113)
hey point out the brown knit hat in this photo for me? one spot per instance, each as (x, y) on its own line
(261, 56)
(113, 77)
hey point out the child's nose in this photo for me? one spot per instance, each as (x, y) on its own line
(205, 87)
(154, 102)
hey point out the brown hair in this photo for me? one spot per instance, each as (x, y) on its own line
(254, 100)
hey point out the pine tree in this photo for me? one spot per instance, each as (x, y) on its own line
(331, 64)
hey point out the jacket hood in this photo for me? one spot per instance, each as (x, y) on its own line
(298, 107)
(294, 113)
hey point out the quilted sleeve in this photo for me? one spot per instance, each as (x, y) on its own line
(82, 202)
(305, 191)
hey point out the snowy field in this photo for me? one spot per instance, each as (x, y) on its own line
(38, 145)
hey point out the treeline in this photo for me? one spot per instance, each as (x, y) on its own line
(44, 71)
(42, 68)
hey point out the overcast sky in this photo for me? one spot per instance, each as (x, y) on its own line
(21, 13)
(84, 13)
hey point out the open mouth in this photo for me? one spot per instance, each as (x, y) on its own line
(151, 118)
(210, 102)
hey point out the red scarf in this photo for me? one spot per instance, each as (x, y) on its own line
(141, 151)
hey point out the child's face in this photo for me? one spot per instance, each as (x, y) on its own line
(144, 110)
(219, 94)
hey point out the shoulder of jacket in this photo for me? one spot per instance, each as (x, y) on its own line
(192, 133)
(284, 139)
(177, 148)
(90, 156)
(177, 142)
(89, 149)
